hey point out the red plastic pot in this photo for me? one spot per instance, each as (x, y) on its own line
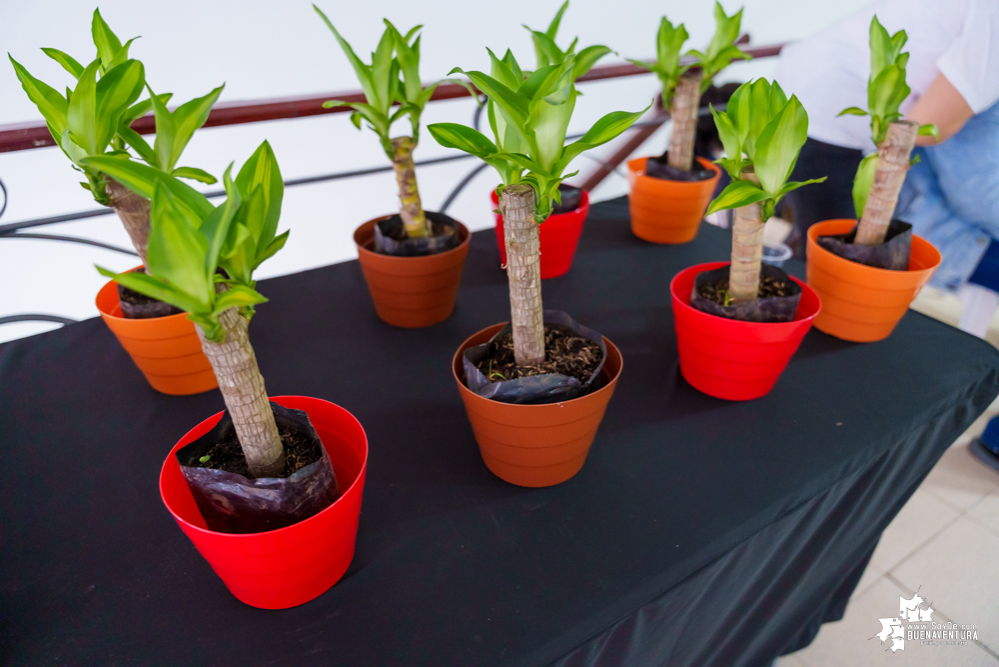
(729, 359)
(289, 566)
(558, 235)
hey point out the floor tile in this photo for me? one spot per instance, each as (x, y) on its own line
(957, 572)
(852, 641)
(789, 661)
(986, 512)
(959, 479)
(870, 576)
(921, 518)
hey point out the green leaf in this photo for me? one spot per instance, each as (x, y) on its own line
(107, 43)
(121, 56)
(737, 193)
(409, 62)
(143, 180)
(215, 228)
(166, 133)
(261, 172)
(52, 105)
(552, 30)
(881, 48)
(272, 249)
(116, 91)
(81, 118)
(384, 73)
(549, 127)
(729, 138)
(587, 58)
(502, 71)
(177, 250)
(154, 288)
(194, 173)
(187, 119)
(140, 145)
(237, 296)
(778, 146)
(863, 181)
(928, 130)
(852, 111)
(453, 135)
(140, 109)
(362, 71)
(794, 185)
(68, 62)
(606, 129)
(513, 105)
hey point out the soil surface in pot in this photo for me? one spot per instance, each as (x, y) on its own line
(566, 353)
(391, 237)
(717, 291)
(776, 301)
(657, 167)
(571, 198)
(300, 450)
(893, 254)
(135, 306)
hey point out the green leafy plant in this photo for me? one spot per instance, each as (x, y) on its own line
(529, 117)
(392, 79)
(669, 42)
(722, 50)
(762, 132)
(549, 53)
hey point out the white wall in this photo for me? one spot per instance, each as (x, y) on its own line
(272, 48)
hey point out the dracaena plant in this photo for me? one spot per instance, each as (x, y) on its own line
(529, 117)
(886, 90)
(190, 241)
(548, 52)
(669, 43)
(762, 132)
(722, 50)
(392, 78)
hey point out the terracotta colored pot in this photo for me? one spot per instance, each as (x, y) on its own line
(730, 359)
(558, 236)
(166, 349)
(535, 445)
(861, 303)
(411, 292)
(289, 566)
(668, 211)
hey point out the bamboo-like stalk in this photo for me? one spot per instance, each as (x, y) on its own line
(133, 211)
(686, 101)
(747, 250)
(893, 163)
(410, 208)
(523, 270)
(242, 387)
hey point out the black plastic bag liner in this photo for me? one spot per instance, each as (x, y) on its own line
(231, 503)
(387, 231)
(571, 197)
(657, 167)
(769, 309)
(142, 311)
(537, 389)
(893, 254)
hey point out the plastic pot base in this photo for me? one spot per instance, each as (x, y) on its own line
(289, 566)
(731, 359)
(665, 211)
(558, 236)
(535, 445)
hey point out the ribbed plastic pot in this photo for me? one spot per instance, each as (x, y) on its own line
(289, 566)
(166, 349)
(665, 211)
(535, 445)
(730, 359)
(558, 236)
(411, 292)
(862, 303)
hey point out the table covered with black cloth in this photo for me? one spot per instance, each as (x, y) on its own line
(699, 532)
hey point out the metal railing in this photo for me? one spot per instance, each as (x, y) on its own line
(28, 136)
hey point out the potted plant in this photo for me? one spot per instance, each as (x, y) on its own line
(93, 121)
(535, 389)
(559, 236)
(669, 193)
(266, 499)
(412, 261)
(869, 270)
(738, 323)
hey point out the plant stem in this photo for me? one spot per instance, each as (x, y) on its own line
(133, 210)
(893, 163)
(411, 209)
(747, 250)
(523, 271)
(686, 100)
(242, 387)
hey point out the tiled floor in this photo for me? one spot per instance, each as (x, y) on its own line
(945, 543)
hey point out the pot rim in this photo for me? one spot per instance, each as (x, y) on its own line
(584, 204)
(246, 536)
(104, 313)
(612, 349)
(684, 300)
(395, 258)
(846, 264)
(637, 167)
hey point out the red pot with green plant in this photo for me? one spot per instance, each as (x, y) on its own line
(535, 389)
(91, 124)
(268, 491)
(738, 324)
(413, 260)
(558, 237)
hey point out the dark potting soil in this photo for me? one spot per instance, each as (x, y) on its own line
(135, 306)
(227, 455)
(395, 230)
(657, 167)
(566, 353)
(571, 198)
(717, 292)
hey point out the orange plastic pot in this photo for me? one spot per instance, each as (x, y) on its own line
(411, 292)
(287, 567)
(535, 445)
(861, 303)
(166, 349)
(668, 211)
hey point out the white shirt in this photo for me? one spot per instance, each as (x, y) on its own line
(829, 71)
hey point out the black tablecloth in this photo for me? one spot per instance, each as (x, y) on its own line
(699, 531)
